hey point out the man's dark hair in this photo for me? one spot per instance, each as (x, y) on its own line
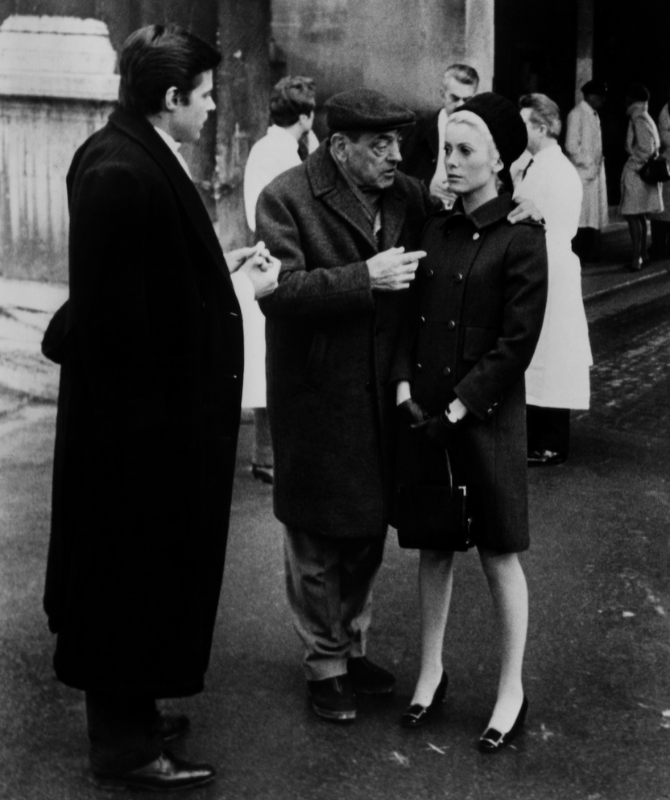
(156, 57)
(290, 98)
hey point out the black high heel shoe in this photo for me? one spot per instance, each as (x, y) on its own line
(416, 714)
(492, 740)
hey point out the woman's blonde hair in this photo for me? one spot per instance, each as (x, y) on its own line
(476, 122)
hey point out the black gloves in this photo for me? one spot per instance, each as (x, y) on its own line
(439, 429)
(411, 413)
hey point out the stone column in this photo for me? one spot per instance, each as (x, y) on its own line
(243, 90)
(584, 67)
(479, 40)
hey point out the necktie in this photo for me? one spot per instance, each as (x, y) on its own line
(528, 166)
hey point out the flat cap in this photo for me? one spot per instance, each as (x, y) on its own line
(365, 110)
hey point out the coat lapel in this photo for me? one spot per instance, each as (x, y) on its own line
(394, 204)
(142, 132)
(328, 185)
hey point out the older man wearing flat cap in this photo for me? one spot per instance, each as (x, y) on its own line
(345, 225)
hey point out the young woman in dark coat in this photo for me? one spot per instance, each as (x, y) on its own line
(480, 296)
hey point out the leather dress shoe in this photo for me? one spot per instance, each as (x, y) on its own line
(545, 458)
(491, 741)
(416, 714)
(170, 726)
(333, 698)
(263, 474)
(368, 678)
(165, 774)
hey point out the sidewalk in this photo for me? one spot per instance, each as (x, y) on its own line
(610, 275)
(27, 306)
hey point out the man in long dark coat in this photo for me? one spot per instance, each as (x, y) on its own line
(148, 416)
(345, 225)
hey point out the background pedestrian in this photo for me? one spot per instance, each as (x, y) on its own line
(584, 146)
(292, 103)
(637, 197)
(557, 378)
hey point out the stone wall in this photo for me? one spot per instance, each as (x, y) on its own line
(397, 47)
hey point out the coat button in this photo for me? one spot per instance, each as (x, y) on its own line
(419, 367)
(422, 320)
(490, 412)
(430, 273)
(446, 371)
(451, 324)
(458, 277)
(475, 236)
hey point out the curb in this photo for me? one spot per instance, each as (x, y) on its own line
(633, 281)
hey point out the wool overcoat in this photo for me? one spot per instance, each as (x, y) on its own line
(477, 310)
(148, 414)
(330, 340)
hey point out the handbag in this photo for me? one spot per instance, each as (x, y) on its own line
(434, 516)
(655, 170)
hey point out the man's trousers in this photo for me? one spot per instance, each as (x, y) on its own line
(329, 588)
(121, 732)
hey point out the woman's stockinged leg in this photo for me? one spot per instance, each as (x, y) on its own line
(436, 570)
(637, 226)
(644, 249)
(509, 591)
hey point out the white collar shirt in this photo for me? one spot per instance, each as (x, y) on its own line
(174, 147)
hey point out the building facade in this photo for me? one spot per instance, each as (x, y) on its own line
(400, 48)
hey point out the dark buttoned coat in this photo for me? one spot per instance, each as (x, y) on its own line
(330, 340)
(420, 150)
(148, 415)
(477, 311)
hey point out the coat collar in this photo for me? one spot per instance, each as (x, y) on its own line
(143, 132)
(487, 214)
(331, 188)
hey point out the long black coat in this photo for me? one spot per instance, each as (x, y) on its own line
(478, 307)
(330, 340)
(148, 414)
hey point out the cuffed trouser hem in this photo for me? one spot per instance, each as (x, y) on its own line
(329, 589)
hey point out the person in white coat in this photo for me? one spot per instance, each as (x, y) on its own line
(660, 221)
(584, 146)
(557, 379)
(292, 103)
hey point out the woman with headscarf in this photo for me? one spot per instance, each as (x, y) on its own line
(479, 297)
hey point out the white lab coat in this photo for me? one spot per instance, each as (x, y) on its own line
(276, 152)
(558, 375)
(584, 146)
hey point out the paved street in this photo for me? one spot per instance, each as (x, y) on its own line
(598, 664)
